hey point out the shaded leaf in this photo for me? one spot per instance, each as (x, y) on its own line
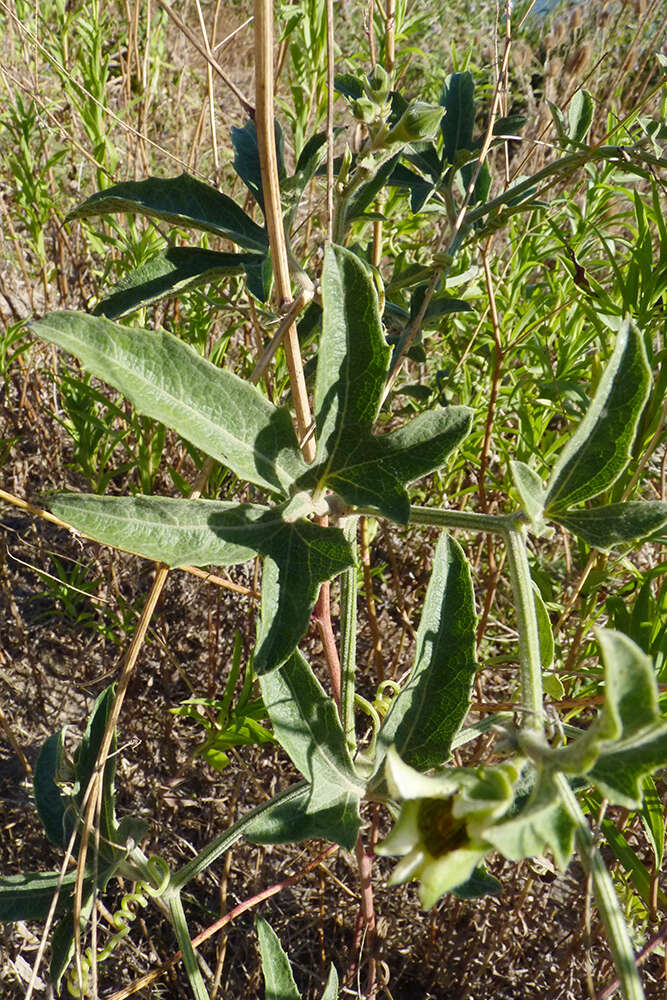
(62, 939)
(175, 271)
(167, 380)
(278, 979)
(615, 524)
(51, 803)
(600, 448)
(353, 363)
(183, 201)
(544, 630)
(246, 157)
(86, 760)
(457, 126)
(478, 885)
(429, 711)
(29, 896)
(541, 823)
(307, 725)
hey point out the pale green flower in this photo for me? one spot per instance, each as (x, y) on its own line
(439, 833)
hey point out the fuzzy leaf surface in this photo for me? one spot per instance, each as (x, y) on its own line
(599, 450)
(183, 201)
(175, 271)
(615, 524)
(166, 379)
(307, 725)
(299, 555)
(29, 896)
(278, 979)
(531, 492)
(354, 357)
(429, 711)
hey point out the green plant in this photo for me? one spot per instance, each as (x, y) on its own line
(580, 483)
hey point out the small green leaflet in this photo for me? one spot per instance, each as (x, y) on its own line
(183, 201)
(600, 449)
(531, 492)
(166, 379)
(176, 270)
(353, 361)
(429, 711)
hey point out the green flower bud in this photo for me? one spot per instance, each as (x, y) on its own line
(420, 121)
(365, 110)
(378, 84)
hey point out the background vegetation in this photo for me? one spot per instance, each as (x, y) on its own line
(99, 92)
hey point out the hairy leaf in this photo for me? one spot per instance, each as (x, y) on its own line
(29, 896)
(615, 524)
(183, 201)
(429, 711)
(167, 380)
(278, 979)
(300, 554)
(246, 158)
(599, 450)
(580, 116)
(175, 271)
(306, 724)
(531, 492)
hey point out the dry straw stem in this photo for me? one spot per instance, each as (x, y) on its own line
(273, 213)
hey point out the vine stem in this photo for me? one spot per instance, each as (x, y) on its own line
(348, 636)
(266, 141)
(607, 901)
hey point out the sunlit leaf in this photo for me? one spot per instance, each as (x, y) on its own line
(278, 979)
(166, 379)
(615, 524)
(600, 448)
(430, 709)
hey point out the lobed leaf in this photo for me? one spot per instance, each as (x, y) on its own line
(183, 201)
(166, 379)
(307, 725)
(600, 449)
(299, 555)
(426, 715)
(175, 271)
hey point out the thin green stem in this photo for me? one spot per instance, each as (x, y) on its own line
(185, 944)
(529, 642)
(498, 524)
(348, 637)
(607, 901)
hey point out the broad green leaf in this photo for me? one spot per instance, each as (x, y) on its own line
(615, 524)
(166, 379)
(51, 803)
(29, 896)
(459, 121)
(349, 86)
(300, 554)
(363, 468)
(429, 711)
(479, 884)
(531, 492)
(579, 116)
(600, 449)
(175, 271)
(293, 821)
(307, 725)
(182, 201)
(541, 823)
(246, 158)
(278, 979)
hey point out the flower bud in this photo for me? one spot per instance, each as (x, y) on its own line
(365, 110)
(419, 121)
(378, 84)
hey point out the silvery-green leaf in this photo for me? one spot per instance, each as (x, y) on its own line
(615, 524)
(278, 979)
